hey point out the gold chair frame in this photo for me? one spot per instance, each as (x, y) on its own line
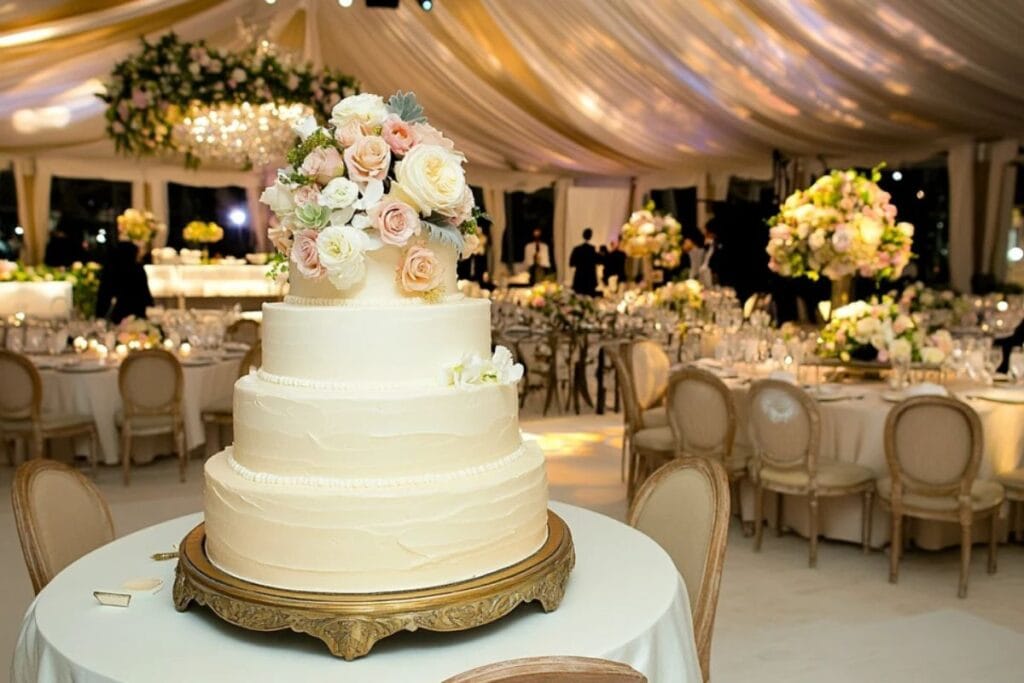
(551, 670)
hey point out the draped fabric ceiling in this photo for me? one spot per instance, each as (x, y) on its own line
(532, 90)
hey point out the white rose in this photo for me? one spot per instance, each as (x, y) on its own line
(900, 349)
(870, 231)
(278, 197)
(305, 127)
(906, 228)
(932, 355)
(341, 250)
(866, 327)
(340, 193)
(367, 109)
(507, 371)
(432, 179)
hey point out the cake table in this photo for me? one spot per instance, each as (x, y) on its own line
(625, 601)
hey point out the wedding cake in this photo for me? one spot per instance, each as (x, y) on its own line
(377, 448)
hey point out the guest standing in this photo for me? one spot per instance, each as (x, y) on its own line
(615, 264)
(124, 289)
(537, 257)
(584, 260)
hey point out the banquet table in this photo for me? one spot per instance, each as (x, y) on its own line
(625, 601)
(96, 393)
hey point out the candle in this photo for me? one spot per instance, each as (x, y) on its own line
(168, 345)
(185, 349)
(92, 344)
(121, 350)
(102, 352)
(80, 344)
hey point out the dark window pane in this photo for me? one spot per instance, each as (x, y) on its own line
(83, 218)
(525, 212)
(225, 206)
(681, 202)
(10, 240)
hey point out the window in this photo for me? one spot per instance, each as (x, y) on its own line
(921, 196)
(83, 218)
(11, 232)
(681, 202)
(225, 206)
(526, 212)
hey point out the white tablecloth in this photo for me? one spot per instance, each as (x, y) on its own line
(96, 394)
(219, 280)
(853, 431)
(625, 601)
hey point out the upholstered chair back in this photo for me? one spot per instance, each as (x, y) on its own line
(649, 369)
(252, 360)
(933, 445)
(151, 382)
(701, 413)
(245, 331)
(21, 394)
(552, 670)
(60, 516)
(785, 425)
(630, 405)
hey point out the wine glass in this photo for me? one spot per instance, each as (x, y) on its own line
(1016, 365)
(993, 359)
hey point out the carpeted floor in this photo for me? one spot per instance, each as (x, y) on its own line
(777, 620)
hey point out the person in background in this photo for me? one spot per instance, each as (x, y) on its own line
(710, 266)
(615, 264)
(61, 249)
(537, 257)
(694, 253)
(124, 289)
(584, 260)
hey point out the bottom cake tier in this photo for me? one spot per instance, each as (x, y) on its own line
(374, 535)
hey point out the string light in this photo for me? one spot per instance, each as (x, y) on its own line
(897, 176)
(345, 3)
(427, 5)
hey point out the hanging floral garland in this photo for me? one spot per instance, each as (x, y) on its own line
(154, 95)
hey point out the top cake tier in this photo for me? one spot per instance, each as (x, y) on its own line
(378, 288)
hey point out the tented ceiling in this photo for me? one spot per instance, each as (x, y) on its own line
(577, 87)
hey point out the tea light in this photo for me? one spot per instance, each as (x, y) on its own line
(102, 351)
(185, 349)
(121, 350)
(168, 345)
(80, 344)
(92, 344)
(19, 318)
(134, 345)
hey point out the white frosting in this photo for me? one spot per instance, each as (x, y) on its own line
(293, 431)
(375, 539)
(380, 283)
(373, 345)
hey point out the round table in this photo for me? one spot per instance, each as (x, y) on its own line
(625, 601)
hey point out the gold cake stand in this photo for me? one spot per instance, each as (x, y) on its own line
(350, 624)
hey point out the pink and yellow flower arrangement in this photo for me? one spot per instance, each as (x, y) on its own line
(649, 233)
(878, 330)
(843, 225)
(138, 333)
(378, 176)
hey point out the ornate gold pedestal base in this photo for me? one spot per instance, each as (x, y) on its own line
(350, 624)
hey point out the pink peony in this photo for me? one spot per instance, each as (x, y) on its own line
(322, 164)
(399, 135)
(420, 270)
(305, 255)
(307, 194)
(368, 159)
(397, 221)
(428, 135)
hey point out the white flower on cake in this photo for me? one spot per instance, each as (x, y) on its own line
(473, 370)
(378, 177)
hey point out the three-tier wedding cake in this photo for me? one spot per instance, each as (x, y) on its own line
(378, 446)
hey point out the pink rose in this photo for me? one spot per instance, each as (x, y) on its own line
(368, 159)
(350, 131)
(305, 255)
(281, 238)
(397, 221)
(420, 271)
(428, 135)
(307, 194)
(322, 164)
(399, 135)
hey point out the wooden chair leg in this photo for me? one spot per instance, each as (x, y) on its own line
(758, 515)
(625, 452)
(179, 441)
(37, 444)
(94, 448)
(126, 454)
(866, 519)
(993, 543)
(965, 557)
(779, 517)
(812, 511)
(895, 547)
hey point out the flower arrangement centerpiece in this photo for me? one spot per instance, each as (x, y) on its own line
(917, 297)
(138, 333)
(842, 225)
(377, 177)
(680, 296)
(139, 227)
(207, 104)
(84, 279)
(654, 237)
(878, 330)
(562, 306)
(202, 232)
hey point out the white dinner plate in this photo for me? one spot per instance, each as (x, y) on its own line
(893, 396)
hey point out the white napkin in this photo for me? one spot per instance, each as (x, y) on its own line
(925, 389)
(783, 376)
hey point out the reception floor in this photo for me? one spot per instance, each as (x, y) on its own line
(777, 619)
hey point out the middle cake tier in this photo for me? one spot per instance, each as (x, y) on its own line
(292, 430)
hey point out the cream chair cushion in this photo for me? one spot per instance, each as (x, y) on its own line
(984, 496)
(655, 439)
(46, 422)
(655, 417)
(143, 424)
(831, 473)
(1014, 482)
(650, 370)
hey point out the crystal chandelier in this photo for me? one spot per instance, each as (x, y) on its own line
(243, 135)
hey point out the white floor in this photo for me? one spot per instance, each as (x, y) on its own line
(777, 619)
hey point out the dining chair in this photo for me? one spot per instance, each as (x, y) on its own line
(702, 415)
(933, 448)
(244, 331)
(151, 383)
(684, 507)
(22, 416)
(551, 670)
(785, 427)
(644, 447)
(1013, 483)
(649, 369)
(60, 516)
(222, 415)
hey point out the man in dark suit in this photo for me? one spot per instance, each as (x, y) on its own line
(615, 264)
(584, 260)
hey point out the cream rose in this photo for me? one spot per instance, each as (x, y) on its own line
(278, 197)
(347, 134)
(340, 193)
(432, 179)
(322, 164)
(420, 270)
(342, 254)
(368, 159)
(397, 221)
(367, 109)
(306, 256)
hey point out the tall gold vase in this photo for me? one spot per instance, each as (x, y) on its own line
(842, 291)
